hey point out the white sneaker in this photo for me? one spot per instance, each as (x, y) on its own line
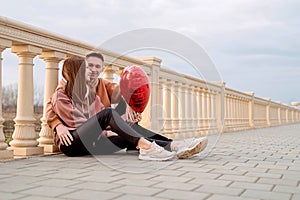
(155, 152)
(190, 147)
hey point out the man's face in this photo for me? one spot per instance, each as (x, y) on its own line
(95, 65)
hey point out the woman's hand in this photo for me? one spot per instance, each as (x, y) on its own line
(108, 133)
(64, 135)
(131, 116)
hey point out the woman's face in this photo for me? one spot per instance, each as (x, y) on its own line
(88, 73)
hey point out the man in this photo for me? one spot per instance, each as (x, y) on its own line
(109, 93)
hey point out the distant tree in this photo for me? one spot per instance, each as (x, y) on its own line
(10, 95)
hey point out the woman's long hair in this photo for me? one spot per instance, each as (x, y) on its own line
(73, 71)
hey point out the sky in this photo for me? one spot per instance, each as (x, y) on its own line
(254, 45)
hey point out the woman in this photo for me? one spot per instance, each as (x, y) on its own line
(82, 112)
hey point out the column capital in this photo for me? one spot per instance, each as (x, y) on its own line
(111, 67)
(250, 93)
(27, 50)
(294, 103)
(151, 60)
(5, 44)
(53, 56)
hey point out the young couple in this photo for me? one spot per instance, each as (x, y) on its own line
(83, 122)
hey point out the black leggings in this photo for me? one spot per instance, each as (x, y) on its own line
(121, 109)
(86, 137)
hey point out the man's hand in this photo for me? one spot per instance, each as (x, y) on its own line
(64, 135)
(131, 116)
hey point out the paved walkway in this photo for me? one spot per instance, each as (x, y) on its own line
(256, 164)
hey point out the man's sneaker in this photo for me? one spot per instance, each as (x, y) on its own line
(190, 147)
(155, 152)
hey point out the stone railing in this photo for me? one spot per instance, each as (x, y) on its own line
(179, 106)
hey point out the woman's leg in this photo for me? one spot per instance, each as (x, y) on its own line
(121, 109)
(76, 148)
(92, 128)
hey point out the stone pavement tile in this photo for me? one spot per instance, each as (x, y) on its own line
(64, 175)
(5, 176)
(266, 195)
(296, 197)
(90, 194)
(263, 175)
(175, 185)
(202, 175)
(220, 190)
(10, 196)
(238, 178)
(95, 186)
(177, 179)
(169, 172)
(251, 169)
(47, 191)
(267, 166)
(245, 165)
(229, 172)
(210, 182)
(137, 190)
(282, 171)
(290, 182)
(287, 189)
(137, 197)
(56, 182)
(255, 186)
(179, 194)
(136, 182)
(228, 197)
(29, 172)
(135, 176)
(14, 187)
(103, 179)
(193, 169)
(225, 167)
(291, 176)
(35, 197)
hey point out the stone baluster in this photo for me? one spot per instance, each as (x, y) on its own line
(183, 107)
(194, 110)
(174, 106)
(52, 59)
(4, 152)
(24, 141)
(167, 106)
(204, 109)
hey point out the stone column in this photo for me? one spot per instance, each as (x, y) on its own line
(268, 114)
(24, 141)
(251, 110)
(4, 152)
(52, 59)
(154, 103)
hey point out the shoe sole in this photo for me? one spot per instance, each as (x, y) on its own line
(141, 157)
(188, 153)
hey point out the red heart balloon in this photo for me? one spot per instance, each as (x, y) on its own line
(134, 85)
